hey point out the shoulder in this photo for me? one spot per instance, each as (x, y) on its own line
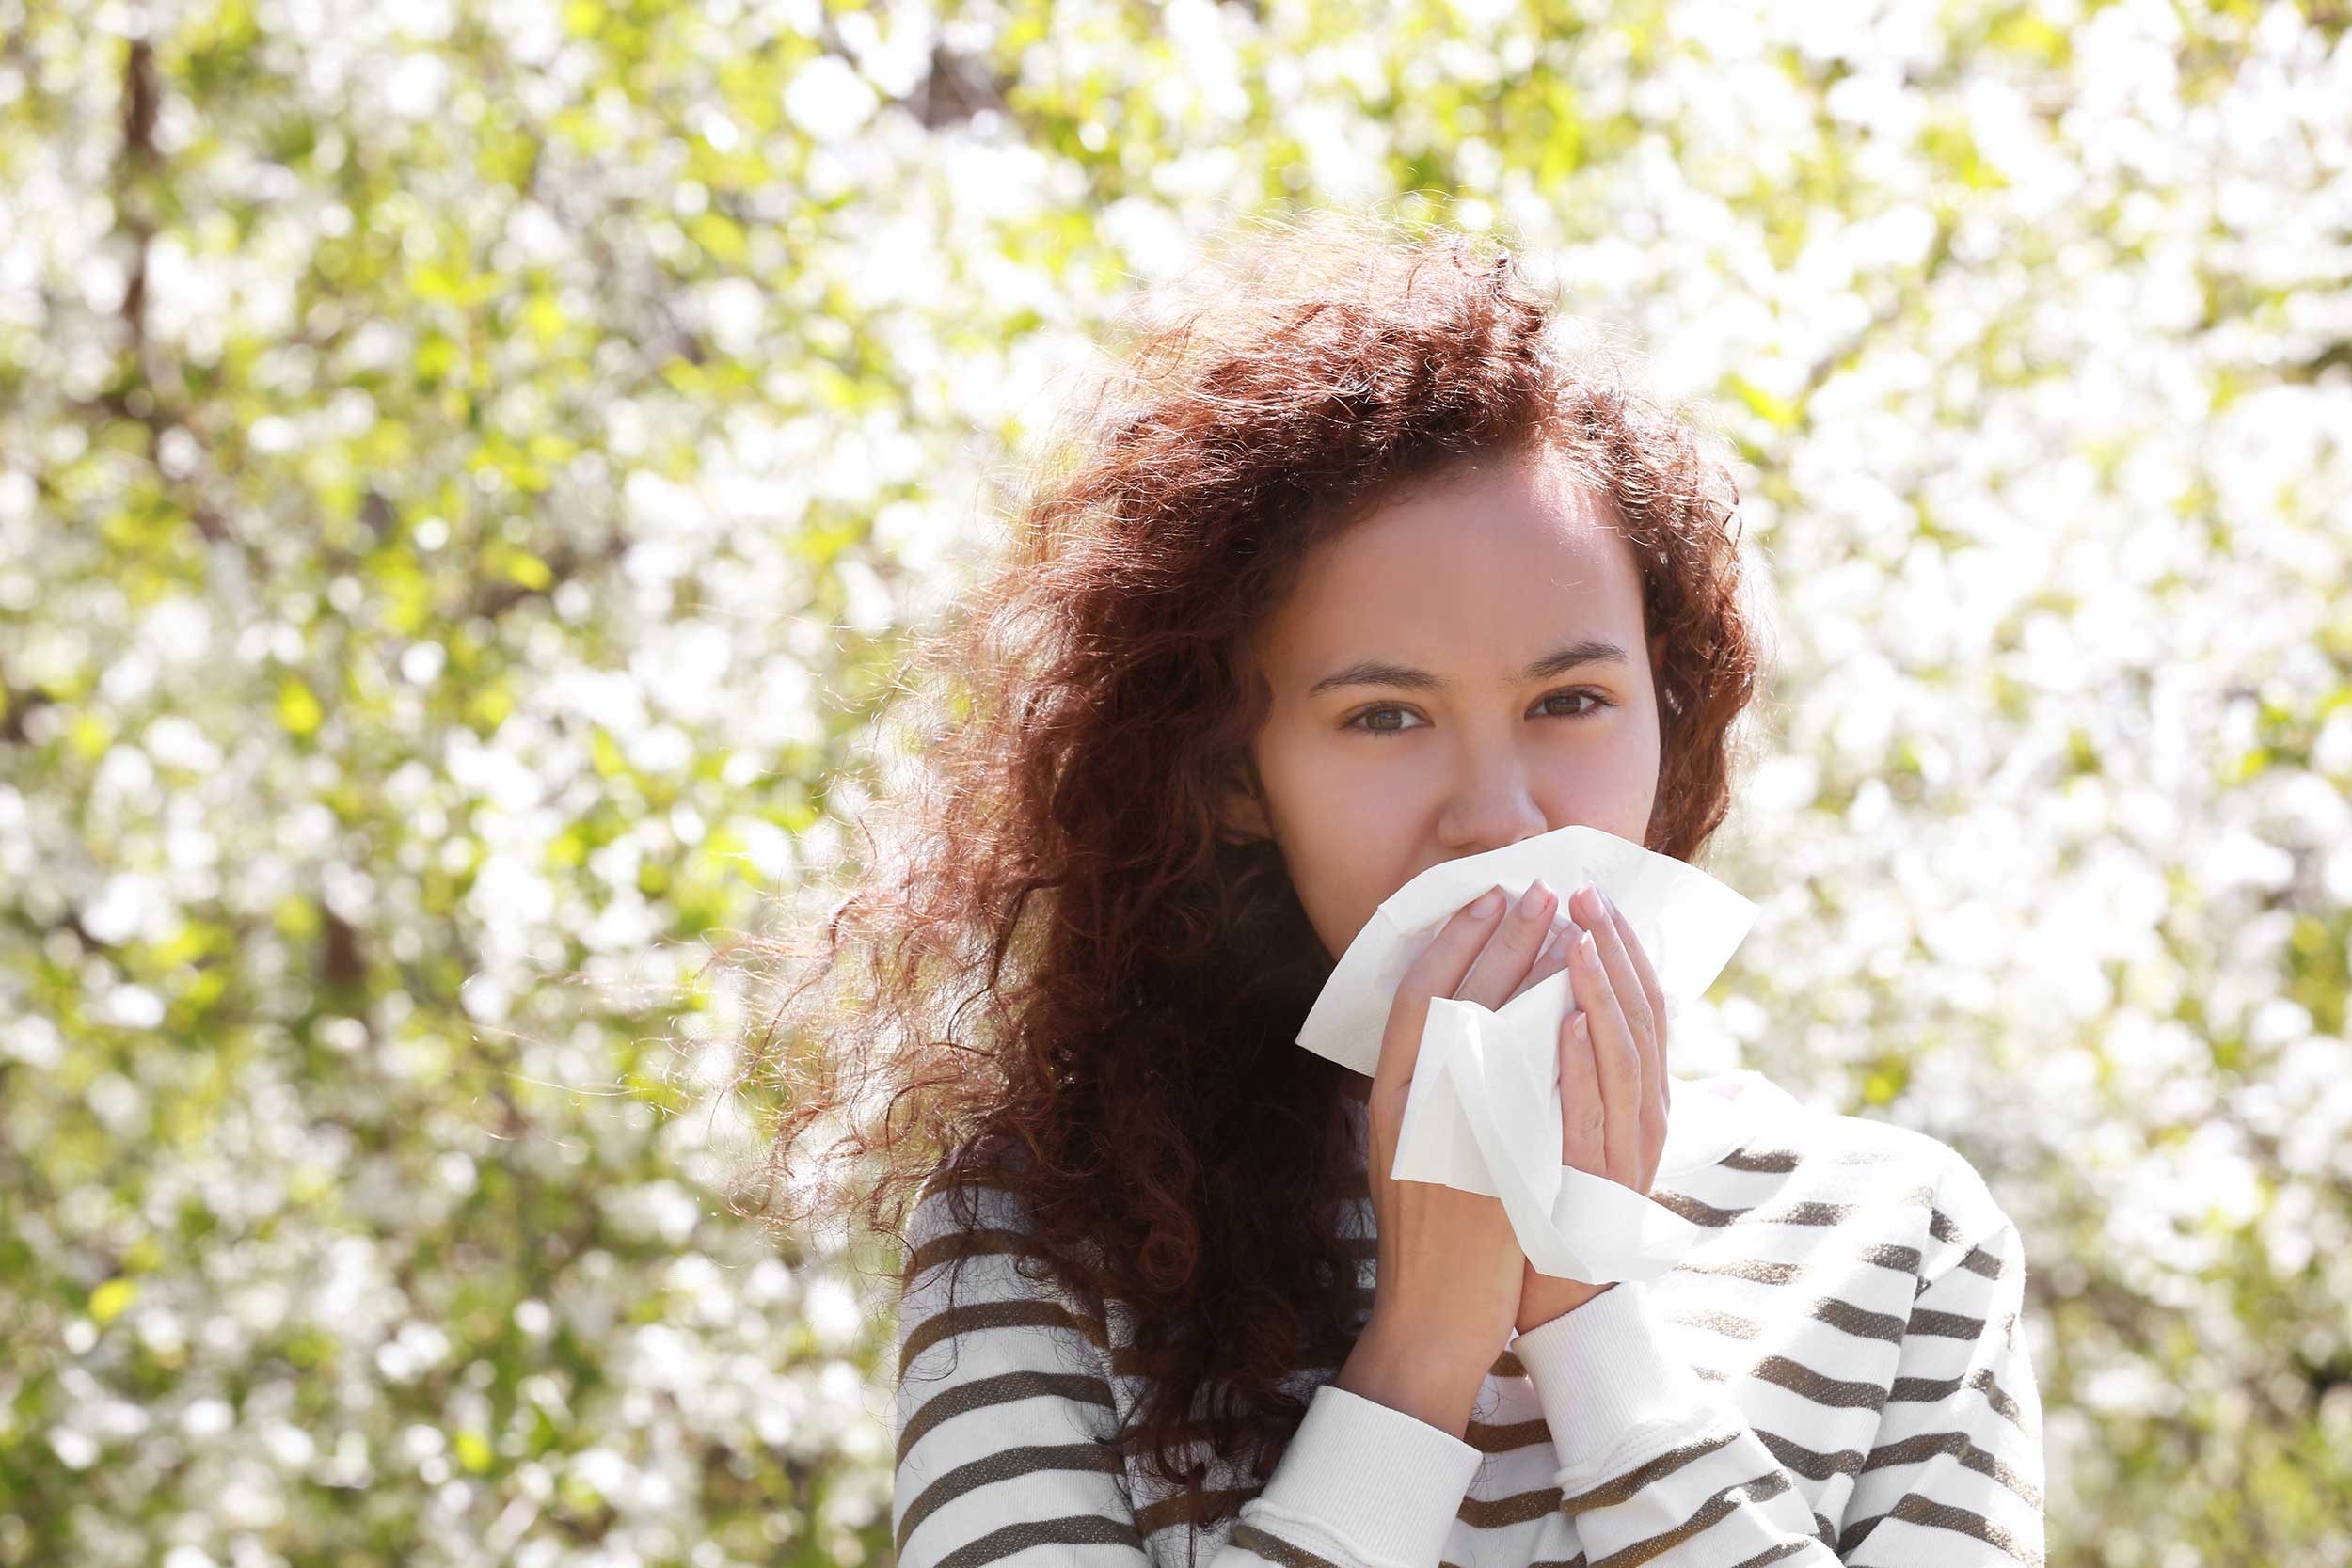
(1960, 1190)
(976, 1276)
(1863, 1164)
(970, 1208)
(1962, 1217)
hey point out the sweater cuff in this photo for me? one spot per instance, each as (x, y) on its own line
(1385, 1485)
(1603, 1370)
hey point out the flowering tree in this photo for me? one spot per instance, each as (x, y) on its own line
(462, 468)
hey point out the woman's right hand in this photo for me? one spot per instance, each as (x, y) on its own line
(1449, 1266)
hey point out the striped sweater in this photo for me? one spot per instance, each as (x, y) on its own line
(1836, 1372)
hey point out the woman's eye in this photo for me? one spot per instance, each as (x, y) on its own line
(1358, 720)
(1597, 701)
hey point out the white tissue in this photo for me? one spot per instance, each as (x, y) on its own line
(1484, 1111)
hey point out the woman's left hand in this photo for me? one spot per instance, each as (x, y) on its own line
(1613, 1091)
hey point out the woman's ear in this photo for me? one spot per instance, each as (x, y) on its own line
(1241, 816)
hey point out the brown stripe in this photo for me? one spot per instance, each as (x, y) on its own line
(1915, 1510)
(1763, 1161)
(1729, 1324)
(1697, 1213)
(1153, 1517)
(982, 1242)
(1001, 1389)
(1813, 1211)
(1761, 1271)
(1195, 1434)
(1833, 1311)
(1949, 1326)
(1275, 1549)
(1780, 1162)
(936, 1190)
(1771, 1484)
(1984, 1382)
(1887, 1255)
(982, 1315)
(1809, 1463)
(1517, 1509)
(1980, 1261)
(1619, 1489)
(1801, 1380)
(1005, 1465)
(1807, 1211)
(1914, 1451)
(1757, 1270)
(1508, 1438)
(1078, 1530)
(1859, 1322)
(1932, 1389)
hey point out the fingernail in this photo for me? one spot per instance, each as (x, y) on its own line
(1487, 904)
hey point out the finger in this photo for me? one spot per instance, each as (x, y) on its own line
(1618, 1059)
(1625, 981)
(1657, 1098)
(1642, 969)
(1435, 972)
(1646, 1116)
(1584, 1118)
(1493, 979)
(1554, 957)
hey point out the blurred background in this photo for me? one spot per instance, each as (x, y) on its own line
(465, 465)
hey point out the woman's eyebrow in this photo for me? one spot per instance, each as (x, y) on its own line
(1377, 672)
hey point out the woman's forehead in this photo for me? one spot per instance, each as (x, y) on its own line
(1472, 570)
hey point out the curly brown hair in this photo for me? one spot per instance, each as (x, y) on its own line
(1054, 856)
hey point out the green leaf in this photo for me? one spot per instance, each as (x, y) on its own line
(298, 710)
(107, 1302)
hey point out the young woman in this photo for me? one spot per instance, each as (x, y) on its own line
(1365, 563)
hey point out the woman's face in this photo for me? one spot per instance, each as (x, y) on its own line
(1463, 669)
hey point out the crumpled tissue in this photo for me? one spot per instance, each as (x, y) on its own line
(1483, 1112)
